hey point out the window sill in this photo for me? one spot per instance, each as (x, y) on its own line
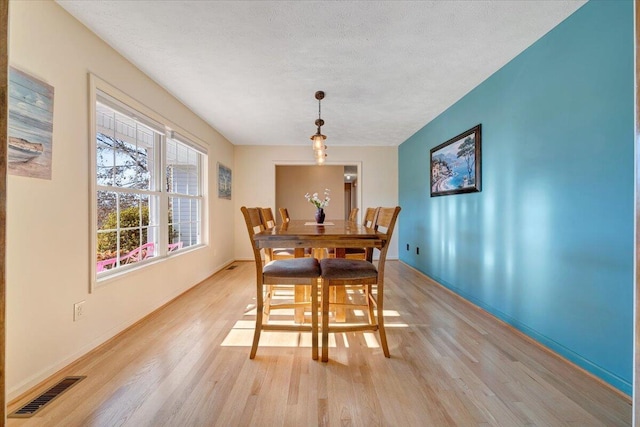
(113, 275)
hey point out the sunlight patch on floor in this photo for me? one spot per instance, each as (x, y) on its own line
(244, 338)
(395, 325)
(241, 335)
(371, 340)
(345, 340)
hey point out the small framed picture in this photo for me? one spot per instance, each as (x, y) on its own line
(456, 164)
(224, 182)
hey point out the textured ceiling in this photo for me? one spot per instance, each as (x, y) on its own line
(251, 68)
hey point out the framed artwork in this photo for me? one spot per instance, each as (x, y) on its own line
(224, 182)
(30, 126)
(456, 164)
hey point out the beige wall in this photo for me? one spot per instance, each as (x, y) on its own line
(255, 185)
(293, 182)
(48, 253)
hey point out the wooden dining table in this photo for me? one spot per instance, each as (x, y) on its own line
(337, 234)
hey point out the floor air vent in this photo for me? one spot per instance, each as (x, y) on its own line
(231, 267)
(45, 398)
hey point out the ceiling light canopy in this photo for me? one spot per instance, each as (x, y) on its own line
(318, 144)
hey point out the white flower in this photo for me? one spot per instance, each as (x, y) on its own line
(316, 201)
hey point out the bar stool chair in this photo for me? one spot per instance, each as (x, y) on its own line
(301, 294)
(339, 293)
(294, 271)
(349, 272)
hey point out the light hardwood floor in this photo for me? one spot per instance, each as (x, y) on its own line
(451, 365)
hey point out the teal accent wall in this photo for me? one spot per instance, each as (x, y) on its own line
(547, 245)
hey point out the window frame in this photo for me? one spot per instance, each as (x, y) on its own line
(168, 194)
(117, 100)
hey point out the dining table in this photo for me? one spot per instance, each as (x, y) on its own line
(339, 234)
(336, 234)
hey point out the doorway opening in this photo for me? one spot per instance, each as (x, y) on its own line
(350, 187)
(294, 181)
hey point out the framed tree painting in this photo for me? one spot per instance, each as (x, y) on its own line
(224, 182)
(456, 164)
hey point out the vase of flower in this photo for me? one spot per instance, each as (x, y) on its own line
(320, 204)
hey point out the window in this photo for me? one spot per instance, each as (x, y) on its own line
(137, 217)
(183, 187)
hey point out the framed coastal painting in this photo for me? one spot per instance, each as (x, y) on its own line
(224, 182)
(30, 126)
(456, 164)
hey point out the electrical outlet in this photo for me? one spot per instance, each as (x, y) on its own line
(417, 251)
(78, 311)
(407, 246)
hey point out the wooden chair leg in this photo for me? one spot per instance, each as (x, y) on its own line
(258, 329)
(370, 303)
(325, 322)
(341, 298)
(267, 302)
(381, 331)
(314, 320)
(299, 296)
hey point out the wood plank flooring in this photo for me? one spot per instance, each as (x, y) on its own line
(451, 364)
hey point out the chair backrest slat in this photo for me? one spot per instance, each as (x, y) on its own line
(284, 214)
(353, 215)
(386, 219)
(268, 219)
(370, 217)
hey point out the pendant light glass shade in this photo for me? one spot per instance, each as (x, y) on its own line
(318, 139)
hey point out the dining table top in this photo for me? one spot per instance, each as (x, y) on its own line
(308, 234)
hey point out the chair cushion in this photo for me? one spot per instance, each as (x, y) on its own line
(342, 268)
(294, 267)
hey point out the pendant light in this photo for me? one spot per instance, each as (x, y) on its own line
(318, 139)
